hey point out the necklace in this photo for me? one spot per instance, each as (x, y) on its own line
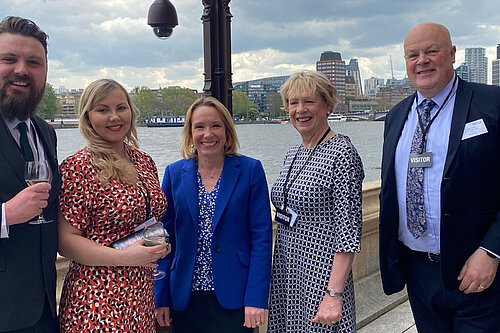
(213, 174)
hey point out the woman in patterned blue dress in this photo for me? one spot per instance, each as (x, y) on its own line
(220, 229)
(318, 200)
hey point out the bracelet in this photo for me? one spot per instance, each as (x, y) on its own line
(334, 293)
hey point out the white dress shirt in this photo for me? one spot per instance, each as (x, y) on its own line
(437, 144)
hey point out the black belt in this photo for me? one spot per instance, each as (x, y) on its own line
(433, 257)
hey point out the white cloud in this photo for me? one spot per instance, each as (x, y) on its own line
(94, 38)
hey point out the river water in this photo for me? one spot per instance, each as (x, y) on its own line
(265, 142)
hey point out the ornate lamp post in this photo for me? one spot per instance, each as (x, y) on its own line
(216, 43)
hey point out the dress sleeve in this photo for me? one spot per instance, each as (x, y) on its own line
(75, 197)
(347, 192)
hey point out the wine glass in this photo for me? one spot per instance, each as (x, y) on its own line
(155, 234)
(37, 172)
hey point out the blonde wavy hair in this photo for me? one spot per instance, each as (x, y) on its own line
(110, 164)
(310, 83)
(232, 144)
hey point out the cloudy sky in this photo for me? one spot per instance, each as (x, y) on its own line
(91, 39)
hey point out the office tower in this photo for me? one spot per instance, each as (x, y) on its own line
(258, 90)
(353, 70)
(462, 71)
(477, 64)
(495, 69)
(372, 86)
(333, 67)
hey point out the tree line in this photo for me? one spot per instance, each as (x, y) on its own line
(170, 101)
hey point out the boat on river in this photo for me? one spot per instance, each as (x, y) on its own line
(335, 117)
(166, 121)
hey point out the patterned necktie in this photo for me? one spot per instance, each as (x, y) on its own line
(23, 142)
(415, 211)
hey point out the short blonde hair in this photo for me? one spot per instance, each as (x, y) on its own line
(106, 160)
(232, 144)
(309, 83)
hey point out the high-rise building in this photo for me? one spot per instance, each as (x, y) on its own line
(351, 88)
(333, 67)
(495, 69)
(462, 71)
(399, 83)
(353, 70)
(477, 64)
(372, 86)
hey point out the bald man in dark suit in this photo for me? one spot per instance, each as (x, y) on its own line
(440, 196)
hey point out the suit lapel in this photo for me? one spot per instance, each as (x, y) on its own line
(11, 152)
(230, 175)
(460, 112)
(190, 189)
(397, 123)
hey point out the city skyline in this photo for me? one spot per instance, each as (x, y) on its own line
(110, 38)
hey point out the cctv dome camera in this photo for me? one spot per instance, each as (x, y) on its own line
(163, 32)
(162, 17)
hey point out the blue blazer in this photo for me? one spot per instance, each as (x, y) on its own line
(470, 188)
(242, 235)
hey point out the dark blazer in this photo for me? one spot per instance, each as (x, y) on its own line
(242, 235)
(27, 257)
(470, 188)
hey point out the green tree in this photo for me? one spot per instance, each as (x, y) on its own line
(49, 106)
(275, 104)
(241, 104)
(253, 114)
(177, 100)
(384, 106)
(145, 100)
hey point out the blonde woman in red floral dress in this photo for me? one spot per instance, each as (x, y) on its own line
(108, 188)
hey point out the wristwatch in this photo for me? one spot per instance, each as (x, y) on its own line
(334, 293)
(491, 255)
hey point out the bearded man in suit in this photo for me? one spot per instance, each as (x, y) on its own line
(27, 250)
(440, 196)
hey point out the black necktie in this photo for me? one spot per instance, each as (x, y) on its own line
(23, 142)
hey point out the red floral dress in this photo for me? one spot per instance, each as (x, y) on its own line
(101, 298)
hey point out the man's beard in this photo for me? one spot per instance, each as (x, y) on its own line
(17, 105)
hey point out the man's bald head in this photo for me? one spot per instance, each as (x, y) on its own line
(429, 56)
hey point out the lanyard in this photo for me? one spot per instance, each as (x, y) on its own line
(145, 192)
(285, 189)
(425, 130)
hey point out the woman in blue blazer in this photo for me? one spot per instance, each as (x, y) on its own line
(219, 221)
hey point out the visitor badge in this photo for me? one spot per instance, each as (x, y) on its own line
(285, 216)
(423, 160)
(474, 128)
(146, 224)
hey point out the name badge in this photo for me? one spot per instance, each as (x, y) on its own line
(423, 160)
(285, 216)
(474, 128)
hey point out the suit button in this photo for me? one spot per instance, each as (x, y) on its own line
(216, 248)
(447, 214)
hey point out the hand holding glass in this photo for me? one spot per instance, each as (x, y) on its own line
(154, 235)
(34, 173)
